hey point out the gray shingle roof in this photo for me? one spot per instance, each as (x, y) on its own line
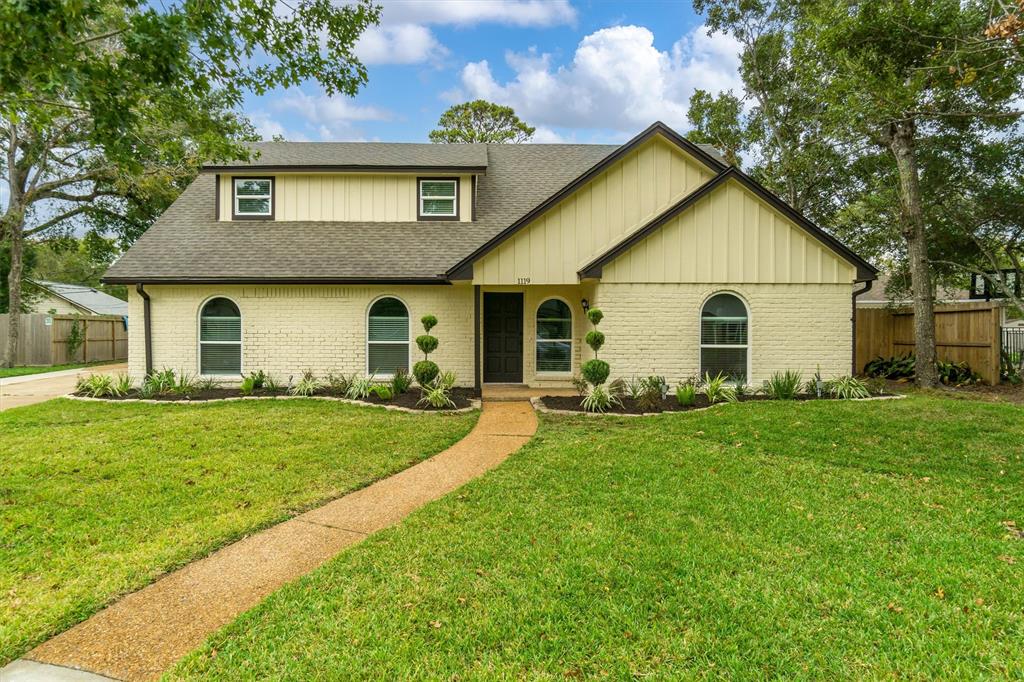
(188, 243)
(91, 299)
(362, 155)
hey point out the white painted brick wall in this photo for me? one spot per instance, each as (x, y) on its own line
(655, 328)
(289, 329)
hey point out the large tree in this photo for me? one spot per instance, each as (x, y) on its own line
(895, 73)
(106, 106)
(480, 121)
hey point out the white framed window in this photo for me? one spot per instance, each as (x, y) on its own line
(438, 198)
(253, 198)
(554, 336)
(220, 338)
(387, 337)
(724, 345)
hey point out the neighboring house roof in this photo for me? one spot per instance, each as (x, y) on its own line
(188, 244)
(878, 294)
(368, 156)
(89, 299)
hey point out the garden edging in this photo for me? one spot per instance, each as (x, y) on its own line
(474, 402)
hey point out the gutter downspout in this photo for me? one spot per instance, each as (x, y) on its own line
(141, 291)
(867, 287)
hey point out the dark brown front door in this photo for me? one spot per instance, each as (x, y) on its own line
(503, 338)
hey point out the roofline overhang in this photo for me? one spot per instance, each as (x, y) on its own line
(343, 168)
(865, 271)
(276, 280)
(657, 128)
(67, 300)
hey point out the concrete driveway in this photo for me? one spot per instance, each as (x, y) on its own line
(35, 388)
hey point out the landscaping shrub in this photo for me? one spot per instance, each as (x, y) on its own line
(595, 371)
(437, 394)
(160, 382)
(248, 385)
(425, 372)
(580, 384)
(902, 367)
(783, 385)
(599, 399)
(359, 387)
(847, 388)
(97, 386)
(382, 391)
(595, 340)
(185, 384)
(306, 386)
(714, 388)
(686, 394)
(338, 383)
(207, 384)
(401, 382)
(124, 384)
(957, 374)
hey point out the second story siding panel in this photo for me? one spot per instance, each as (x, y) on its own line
(345, 197)
(598, 215)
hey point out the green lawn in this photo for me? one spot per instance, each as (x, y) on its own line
(24, 370)
(98, 499)
(817, 540)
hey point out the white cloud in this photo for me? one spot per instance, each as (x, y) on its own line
(399, 44)
(328, 118)
(618, 80)
(470, 12)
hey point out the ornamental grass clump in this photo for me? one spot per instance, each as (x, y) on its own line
(783, 385)
(847, 388)
(438, 394)
(425, 370)
(715, 389)
(306, 386)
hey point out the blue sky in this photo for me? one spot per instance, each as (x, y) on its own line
(578, 70)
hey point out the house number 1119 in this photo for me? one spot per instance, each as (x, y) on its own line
(523, 280)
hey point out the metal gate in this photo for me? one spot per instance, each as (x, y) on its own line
(1013, 350)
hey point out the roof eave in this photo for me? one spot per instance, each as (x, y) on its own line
(274, 280)
(341, 168)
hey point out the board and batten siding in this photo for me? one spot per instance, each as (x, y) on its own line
(730, 236)
(346, 197)
(594, 218)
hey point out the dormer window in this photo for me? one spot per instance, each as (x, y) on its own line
(253, 198)
(438, 198)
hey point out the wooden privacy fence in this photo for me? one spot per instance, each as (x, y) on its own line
(44, 338)
(964, 332)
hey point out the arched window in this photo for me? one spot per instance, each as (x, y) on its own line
(554, 336)
(220, 338)
(387, 337)
(723, 337)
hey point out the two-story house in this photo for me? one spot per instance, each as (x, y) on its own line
(324, 256)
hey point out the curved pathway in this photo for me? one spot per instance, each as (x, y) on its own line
(146, 632)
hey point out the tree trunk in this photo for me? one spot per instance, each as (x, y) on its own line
(901, 137)
(14, 224)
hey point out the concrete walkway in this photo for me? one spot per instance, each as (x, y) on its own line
(36, 388)
(145, 633)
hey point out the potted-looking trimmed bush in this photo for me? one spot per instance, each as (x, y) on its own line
(425, 370)
(595, 371)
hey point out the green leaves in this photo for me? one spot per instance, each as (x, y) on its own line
(480, 121)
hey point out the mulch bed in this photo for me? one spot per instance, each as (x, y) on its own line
(460, 396)
(669, 404)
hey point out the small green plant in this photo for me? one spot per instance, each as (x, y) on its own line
(783, 385)
(437, 394)
(634, 387)
(382, 391)
(204, 384)
(185, 384)
(248, 385)
(714, 388)
(160, 382)
(272, 385)
(580, 384)
(957, 374)
(74, 339)
(124, 384)
(847, 388)
(686, 394)
(337, 383)
(359, 387)
(902, 367)
(599, 399)
(876, 385)
(401, 382)
(306, 386)
(97, 386)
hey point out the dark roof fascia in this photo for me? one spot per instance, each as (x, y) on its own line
(460, 269)
(302, 168)
(865, 271)
(278, 280)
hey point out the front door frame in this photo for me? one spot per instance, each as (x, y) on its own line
(522, 335)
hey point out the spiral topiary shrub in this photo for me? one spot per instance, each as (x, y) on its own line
(595, 316)
(595, 340)
(426, 343)
(595, 371)
(428, 322)
(426, 371)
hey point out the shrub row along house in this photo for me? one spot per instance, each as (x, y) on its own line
(322, 256)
